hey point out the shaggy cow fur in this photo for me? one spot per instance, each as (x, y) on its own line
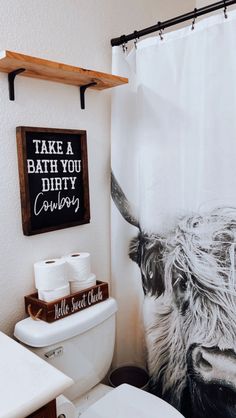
(188, 278)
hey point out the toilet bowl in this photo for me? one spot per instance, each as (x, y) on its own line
(81, 346)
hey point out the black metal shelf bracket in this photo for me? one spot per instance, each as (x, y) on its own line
(82, 93)
(11, 81)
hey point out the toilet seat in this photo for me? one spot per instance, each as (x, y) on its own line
(129, 402)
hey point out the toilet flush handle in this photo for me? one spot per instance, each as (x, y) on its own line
(56, 352)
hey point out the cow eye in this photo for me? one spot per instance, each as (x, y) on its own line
(183, 283)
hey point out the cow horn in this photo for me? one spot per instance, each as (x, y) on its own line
(122, 203)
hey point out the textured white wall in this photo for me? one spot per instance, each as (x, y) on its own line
(203, 3)
(75, 32)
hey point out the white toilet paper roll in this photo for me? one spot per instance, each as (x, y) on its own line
(65, 407)
(50, 274)
(78, 286)
(50, 295)
(78, 266)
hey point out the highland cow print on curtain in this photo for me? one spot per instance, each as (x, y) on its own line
(174, 214)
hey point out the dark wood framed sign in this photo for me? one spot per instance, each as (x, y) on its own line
(53, 171)
(58, 309)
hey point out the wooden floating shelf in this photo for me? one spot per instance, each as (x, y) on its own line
(14, 63)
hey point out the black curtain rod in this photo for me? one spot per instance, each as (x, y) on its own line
(171, 22)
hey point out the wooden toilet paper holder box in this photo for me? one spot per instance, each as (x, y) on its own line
(60, 308)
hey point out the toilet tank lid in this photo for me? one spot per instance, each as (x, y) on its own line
(42, 334)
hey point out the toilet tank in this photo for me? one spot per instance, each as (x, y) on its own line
(81, 345)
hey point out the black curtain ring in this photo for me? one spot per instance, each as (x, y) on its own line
(123, 42)
(225, 10)
(194, 19)
(124, 47)
(160, 31)
(136, 39)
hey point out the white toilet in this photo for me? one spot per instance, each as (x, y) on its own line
(82, 346)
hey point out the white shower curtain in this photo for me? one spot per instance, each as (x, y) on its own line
(173, 147)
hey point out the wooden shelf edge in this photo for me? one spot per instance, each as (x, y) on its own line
(57, 72)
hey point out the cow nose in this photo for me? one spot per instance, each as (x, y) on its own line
(215, 366)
